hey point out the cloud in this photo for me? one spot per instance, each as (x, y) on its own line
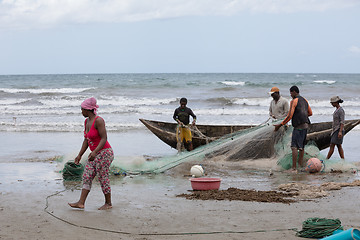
(354, 49)
(47, 13)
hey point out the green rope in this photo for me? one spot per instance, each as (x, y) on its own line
(319, 227)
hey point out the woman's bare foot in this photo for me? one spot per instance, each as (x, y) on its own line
(76, 205)
(105, 206)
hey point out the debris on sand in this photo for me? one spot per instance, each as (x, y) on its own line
(232, 194)
(308, 191)
(289, 193)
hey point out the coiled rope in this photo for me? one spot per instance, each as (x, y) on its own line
(319, 227)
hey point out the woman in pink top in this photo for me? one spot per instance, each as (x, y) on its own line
(100, 158)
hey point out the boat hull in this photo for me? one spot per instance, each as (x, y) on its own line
(166, 131)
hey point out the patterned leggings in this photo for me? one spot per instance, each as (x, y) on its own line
(99, 166)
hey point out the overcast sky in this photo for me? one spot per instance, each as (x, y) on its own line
(145, 36)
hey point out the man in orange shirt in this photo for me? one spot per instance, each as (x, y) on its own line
(299, 115)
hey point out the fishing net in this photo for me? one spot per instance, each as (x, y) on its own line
(72, 171)
(255, 143)
(284, 155)
(251, 143)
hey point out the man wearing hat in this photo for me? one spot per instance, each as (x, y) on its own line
(337, 132)
(279, 106)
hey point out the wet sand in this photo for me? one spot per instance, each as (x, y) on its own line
(34, 205)
(147, 207)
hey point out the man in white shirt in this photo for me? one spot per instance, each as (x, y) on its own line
(279, 106)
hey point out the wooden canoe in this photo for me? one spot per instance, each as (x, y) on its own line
(320, 132)
(166, 131)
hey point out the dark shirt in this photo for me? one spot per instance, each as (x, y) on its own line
(183, 114)
(299, 112)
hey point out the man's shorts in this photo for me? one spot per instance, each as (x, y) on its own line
(334, 138)
(298, 138)
(185, 133)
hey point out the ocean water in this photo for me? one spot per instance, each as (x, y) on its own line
(51, 103)
(41, 118)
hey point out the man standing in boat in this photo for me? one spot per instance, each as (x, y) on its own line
(279, 106)
(182, 117)
(299, 115)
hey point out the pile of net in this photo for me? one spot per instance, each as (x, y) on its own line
(284, 156)
(72, 171)
(260, 142)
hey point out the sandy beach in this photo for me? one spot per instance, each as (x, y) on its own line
(147, 208)
(138, 59)
(34, 201)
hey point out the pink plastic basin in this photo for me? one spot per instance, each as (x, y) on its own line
(205, 183)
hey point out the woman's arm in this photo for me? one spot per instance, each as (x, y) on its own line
(82, 151)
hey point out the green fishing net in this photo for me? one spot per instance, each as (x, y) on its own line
(256, 143)
(72, 171)
(251, 143)
(284, 155)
